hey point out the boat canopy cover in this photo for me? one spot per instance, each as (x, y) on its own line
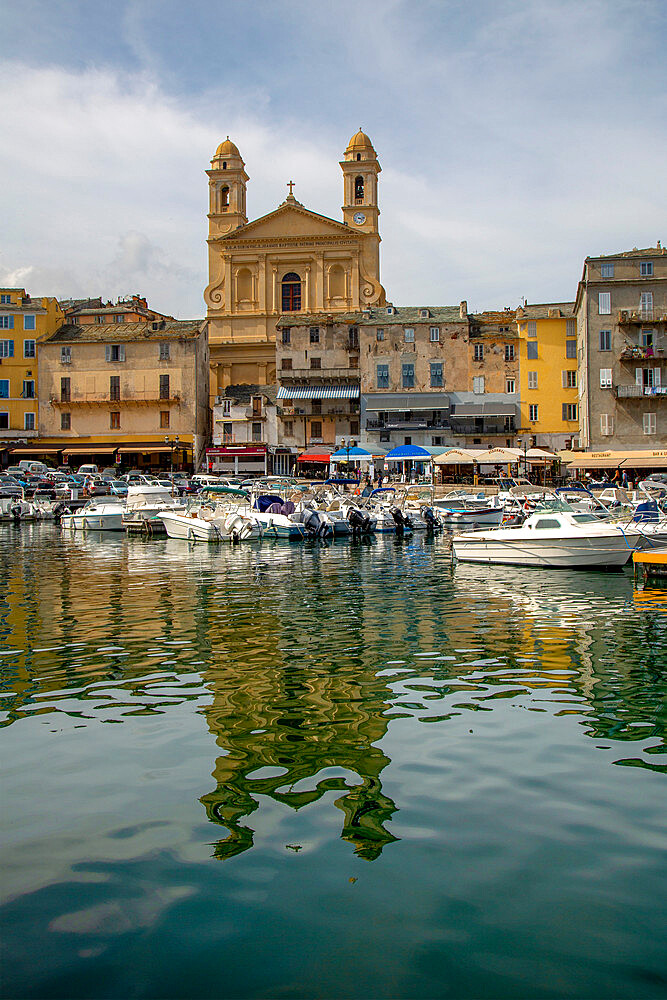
(318, 392)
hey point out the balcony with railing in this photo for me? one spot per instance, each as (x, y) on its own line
(657, 314)
(630, 353)
(635, 391)
(343, 375)
(126, 397)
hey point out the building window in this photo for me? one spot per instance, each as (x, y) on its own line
(65, 355)
(606, 424)
(354, 427)
(286, 364)
(6, 322)
(379, 334)
(605, 340)
(257, 432)
(532, 380)
(164, 352)
(65, 390)
(434, 334)
(226, 407)
(385, 436)
(382, 372)
(314, 335)
(354, 361)
(5, 300)
(646, 305)
(358, 190)
(4, 421)
(510, 385)
(114, 420)
(119, 318)
(316, 428)
(29, 323)
(288, 428)
(607, 270)
(409, 335)
(569, 411)
(647, 338)
(287, 335)
(571, 328)
(29, 348)
(605, 378)
(604, 303)
(99, 319)
(256, 406)
(291, 293)
(569, 379)
(164, 418)
(316, 406)
(436, 375)
(650, 423)
(227, 434)
(4, 388)
(353, 337)
(509, 352)
(533, 411)
(164, 387)
(570, 348)
(115, 352)
(29, 388)
(315, 363)
(531, 351)
(478, 384)
(478, 352)
(646, 271)
(28, 421)
(408, 373)
(6, 348)
(114, 387)
(532, 328)
(65, 421)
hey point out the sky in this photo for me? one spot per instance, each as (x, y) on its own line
(515, 138)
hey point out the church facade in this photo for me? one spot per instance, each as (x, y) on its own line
(292, 261)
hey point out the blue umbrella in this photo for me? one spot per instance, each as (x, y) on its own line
(345, 453)
(407, 451)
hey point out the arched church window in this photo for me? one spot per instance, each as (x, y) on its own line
(224, 198)
(358, 156)
(224, 164)
(244, 285)
(291, 292)
(358, 190)
(336, 282)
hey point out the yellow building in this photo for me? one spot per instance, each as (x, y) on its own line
(135, 394)
(548, 374)
(291, 261)
(24, 323)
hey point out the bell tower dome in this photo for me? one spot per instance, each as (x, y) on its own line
(360, 168)
(227, 190)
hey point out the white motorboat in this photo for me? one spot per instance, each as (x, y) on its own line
(208, 523)
(97, 515)
(553, 538)
(142, 505)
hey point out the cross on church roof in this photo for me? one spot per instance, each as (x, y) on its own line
(290, 185)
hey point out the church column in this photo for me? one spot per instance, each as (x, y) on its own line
(274, 283)
(307, 287)
(319, 283)
(261, 291)
(229, 286)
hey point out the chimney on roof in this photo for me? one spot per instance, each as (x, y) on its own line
(463, 309)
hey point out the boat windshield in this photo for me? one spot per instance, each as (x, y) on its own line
(585, 518)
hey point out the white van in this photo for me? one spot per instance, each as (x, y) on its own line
(87, 470)
(36, 468)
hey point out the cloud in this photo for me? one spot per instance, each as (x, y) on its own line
(515, 138)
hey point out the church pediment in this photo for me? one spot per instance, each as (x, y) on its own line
(291, 221)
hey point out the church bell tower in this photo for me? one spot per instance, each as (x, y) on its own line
(227, 190)
(360, 184)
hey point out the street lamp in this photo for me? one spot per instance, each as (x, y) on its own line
(173, 443)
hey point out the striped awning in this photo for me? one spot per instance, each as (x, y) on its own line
(318, 392)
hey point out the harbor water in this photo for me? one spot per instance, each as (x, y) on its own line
(306, 770)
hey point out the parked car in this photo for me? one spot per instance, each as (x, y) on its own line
(88, 470)
(111, 471)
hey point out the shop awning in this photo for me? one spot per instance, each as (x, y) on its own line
(153, 449)
(35, 451)
(318, 392)
(459, 456)
(89, 449)
(499, 456)
(615, 459)
(484, 410)
(405, 402)
(224, 451)
(315, 455)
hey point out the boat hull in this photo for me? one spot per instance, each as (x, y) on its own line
(572, 553)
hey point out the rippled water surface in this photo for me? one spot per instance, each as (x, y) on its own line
(297, 771)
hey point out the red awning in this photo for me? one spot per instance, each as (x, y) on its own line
(315, 456)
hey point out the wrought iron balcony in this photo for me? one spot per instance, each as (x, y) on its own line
(642, 353)
(655, 315)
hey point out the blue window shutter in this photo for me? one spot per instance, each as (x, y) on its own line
(11, 322)
(11, 342)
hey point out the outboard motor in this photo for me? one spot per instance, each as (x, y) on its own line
(399, 520)
(359, 522)
(430, 518)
